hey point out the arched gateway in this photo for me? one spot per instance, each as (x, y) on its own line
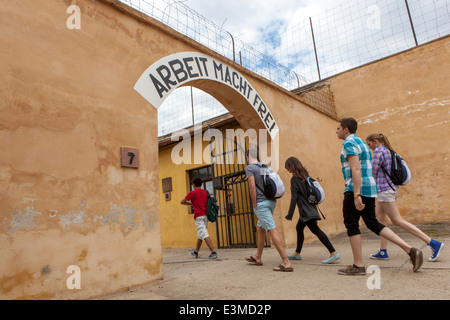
(70, 207)
(235, 226)
(193, 68)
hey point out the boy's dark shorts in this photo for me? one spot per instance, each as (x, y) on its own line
(352, 215)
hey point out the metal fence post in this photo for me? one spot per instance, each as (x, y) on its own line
(234, 50)
(411, 23)
(315, 50)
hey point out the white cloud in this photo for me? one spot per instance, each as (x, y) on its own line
(247, 19)
(348, 33)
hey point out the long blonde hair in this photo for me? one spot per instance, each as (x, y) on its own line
(381, 138)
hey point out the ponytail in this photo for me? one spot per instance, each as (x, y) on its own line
(380, 138)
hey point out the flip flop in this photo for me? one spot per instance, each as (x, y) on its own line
(283, 268)
(253, 260)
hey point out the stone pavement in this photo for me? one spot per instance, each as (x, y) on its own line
(230, 277)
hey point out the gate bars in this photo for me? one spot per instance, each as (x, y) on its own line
(235, 226)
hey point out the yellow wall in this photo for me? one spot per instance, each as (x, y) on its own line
(177, 222)
(407, 98)
(403, 96)
(68, 105)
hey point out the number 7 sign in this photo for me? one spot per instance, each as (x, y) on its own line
(129, 157)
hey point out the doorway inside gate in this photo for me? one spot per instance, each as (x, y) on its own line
(236, 223)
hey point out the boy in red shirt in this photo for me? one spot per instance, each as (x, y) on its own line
(198, 199)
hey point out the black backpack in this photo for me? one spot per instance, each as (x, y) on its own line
(400, 174)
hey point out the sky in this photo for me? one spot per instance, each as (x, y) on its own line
(262, 24)
(348, 33)
(248, 19)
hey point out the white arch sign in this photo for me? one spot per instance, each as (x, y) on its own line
(169, 73)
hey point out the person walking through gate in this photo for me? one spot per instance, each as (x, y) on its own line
(359, 198)
(308, 212)
(263, 209)
(387, 194)
(198, 198)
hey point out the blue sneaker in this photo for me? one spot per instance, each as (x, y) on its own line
(436, 249)
(380, 255)
(332, 259)
(294, 257)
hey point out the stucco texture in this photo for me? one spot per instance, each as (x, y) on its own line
(406, 97)
(67, 106)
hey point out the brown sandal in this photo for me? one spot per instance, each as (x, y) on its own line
(283, 268)
(253, 261)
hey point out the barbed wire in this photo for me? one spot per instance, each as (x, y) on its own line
(187, 21)
(348, 35)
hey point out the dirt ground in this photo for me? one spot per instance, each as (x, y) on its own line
(230, 277)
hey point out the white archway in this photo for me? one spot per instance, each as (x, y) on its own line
(179, 69)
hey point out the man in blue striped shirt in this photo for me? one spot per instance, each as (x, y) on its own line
(359, 198)
(354, 146)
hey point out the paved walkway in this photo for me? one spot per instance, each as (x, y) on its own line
(231, 278)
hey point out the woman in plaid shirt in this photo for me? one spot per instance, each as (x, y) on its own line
(387, 194)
